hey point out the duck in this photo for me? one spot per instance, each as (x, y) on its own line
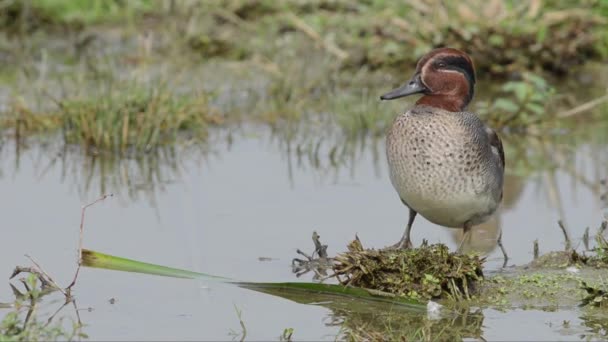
(444, 162)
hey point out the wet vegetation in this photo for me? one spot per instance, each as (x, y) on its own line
(596, 295)
(504, 36)
(125, 122)
(27, 320)
(427, 272)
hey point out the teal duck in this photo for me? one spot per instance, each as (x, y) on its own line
(444, 162)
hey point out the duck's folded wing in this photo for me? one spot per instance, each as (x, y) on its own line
(496, 145)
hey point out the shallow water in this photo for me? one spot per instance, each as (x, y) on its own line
(244, 198)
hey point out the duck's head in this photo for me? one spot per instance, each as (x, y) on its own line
(445, 76)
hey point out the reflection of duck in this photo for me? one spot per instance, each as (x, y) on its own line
(445, 163)
(514, 187)
(484, 237)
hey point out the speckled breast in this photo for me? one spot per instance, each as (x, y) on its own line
(442, 166)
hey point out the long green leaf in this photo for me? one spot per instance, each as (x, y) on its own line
(100, 260)
(317, 293)
(300, 292)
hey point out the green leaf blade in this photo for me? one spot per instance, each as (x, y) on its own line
(100, 260)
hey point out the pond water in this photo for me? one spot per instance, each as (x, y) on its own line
(225, 209)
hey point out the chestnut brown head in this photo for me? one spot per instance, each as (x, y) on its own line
(445, 76)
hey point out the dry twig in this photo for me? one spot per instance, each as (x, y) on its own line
(81, 238)
(44, 277)
(584, 107)
(566, 236)
(312, 34)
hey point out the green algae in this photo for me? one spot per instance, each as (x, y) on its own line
(521, 288)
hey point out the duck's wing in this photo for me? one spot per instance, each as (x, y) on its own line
(496, 145)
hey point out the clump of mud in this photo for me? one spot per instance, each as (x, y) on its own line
(427, 272)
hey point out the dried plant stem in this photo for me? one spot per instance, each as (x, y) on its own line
(566, 236)
(312, 34)
(44, 277)
(81, 238)
(584, 107)
(47, 276)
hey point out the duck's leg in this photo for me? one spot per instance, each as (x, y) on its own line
(502, 248)
(465, 236)
(405, 241)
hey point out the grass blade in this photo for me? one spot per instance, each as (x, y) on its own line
(318, 293)
(100, 260)
(300, 292)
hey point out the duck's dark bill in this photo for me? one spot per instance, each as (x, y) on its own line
(414, 86)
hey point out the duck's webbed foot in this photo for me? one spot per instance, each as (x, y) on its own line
(405, 242)
(402, 244)
(319, 262)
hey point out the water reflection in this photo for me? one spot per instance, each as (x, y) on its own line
(484, 237)
(363, 320)
(596, 322)
(533, 160)
(321, 151)
(144, 177)
(389, 325)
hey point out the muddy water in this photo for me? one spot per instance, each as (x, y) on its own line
(246, 198)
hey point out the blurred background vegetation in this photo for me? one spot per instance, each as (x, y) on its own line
(127, 83)
(125, 77)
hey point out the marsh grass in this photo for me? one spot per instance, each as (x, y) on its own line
(136, 120)
(361, 113)
(27, 16)
(125, 120)
(502, 36)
